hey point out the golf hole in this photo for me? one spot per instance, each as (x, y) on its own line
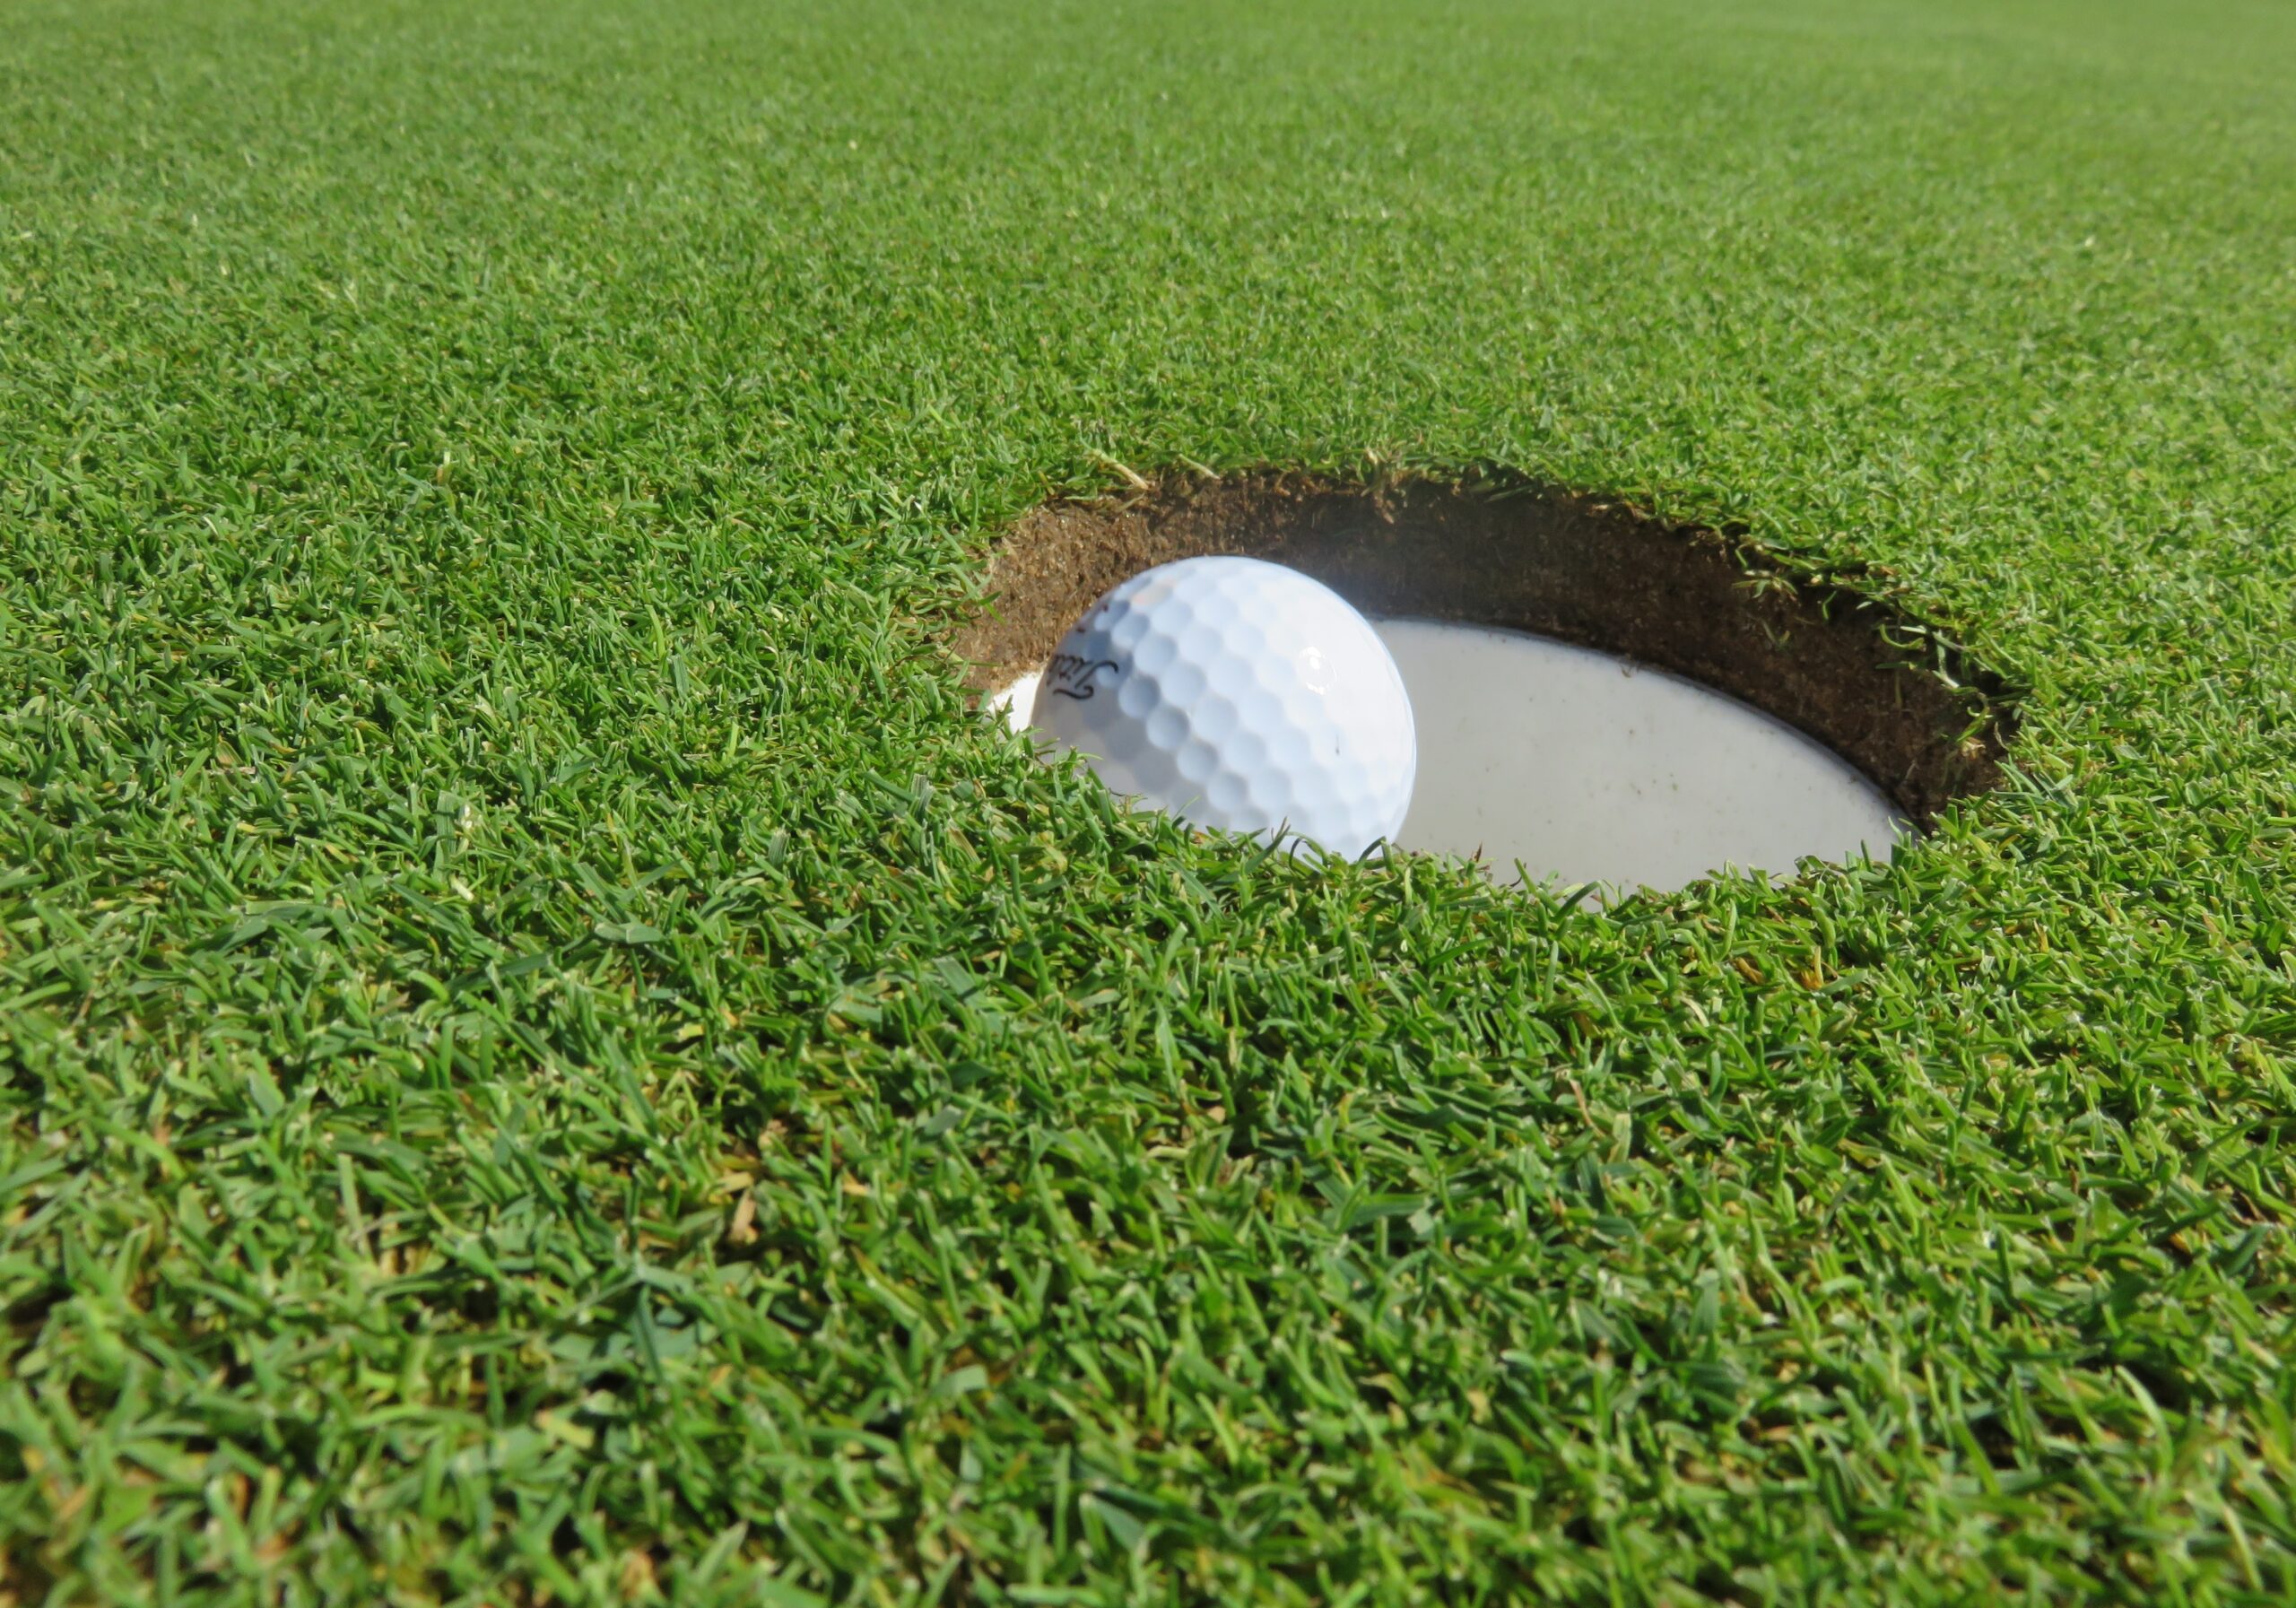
(1601, 697)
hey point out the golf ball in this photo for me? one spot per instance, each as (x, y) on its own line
(1238, 694)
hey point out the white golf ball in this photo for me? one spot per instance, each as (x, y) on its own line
(1238, 694)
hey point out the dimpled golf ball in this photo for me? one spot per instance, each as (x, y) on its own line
(1238, 694)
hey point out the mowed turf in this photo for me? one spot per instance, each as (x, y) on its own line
(549, 1058)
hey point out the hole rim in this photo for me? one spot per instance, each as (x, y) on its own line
(1827, 652)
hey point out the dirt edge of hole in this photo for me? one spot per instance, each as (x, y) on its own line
(1891, 695)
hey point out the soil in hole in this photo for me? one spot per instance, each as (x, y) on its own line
(1904, 706)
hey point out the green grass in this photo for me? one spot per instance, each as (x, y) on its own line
(546, 1056)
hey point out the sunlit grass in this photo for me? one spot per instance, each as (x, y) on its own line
(548, 1054)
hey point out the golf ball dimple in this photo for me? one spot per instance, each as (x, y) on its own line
(1238, 694)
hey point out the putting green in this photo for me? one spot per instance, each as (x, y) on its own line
(548, 1055)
